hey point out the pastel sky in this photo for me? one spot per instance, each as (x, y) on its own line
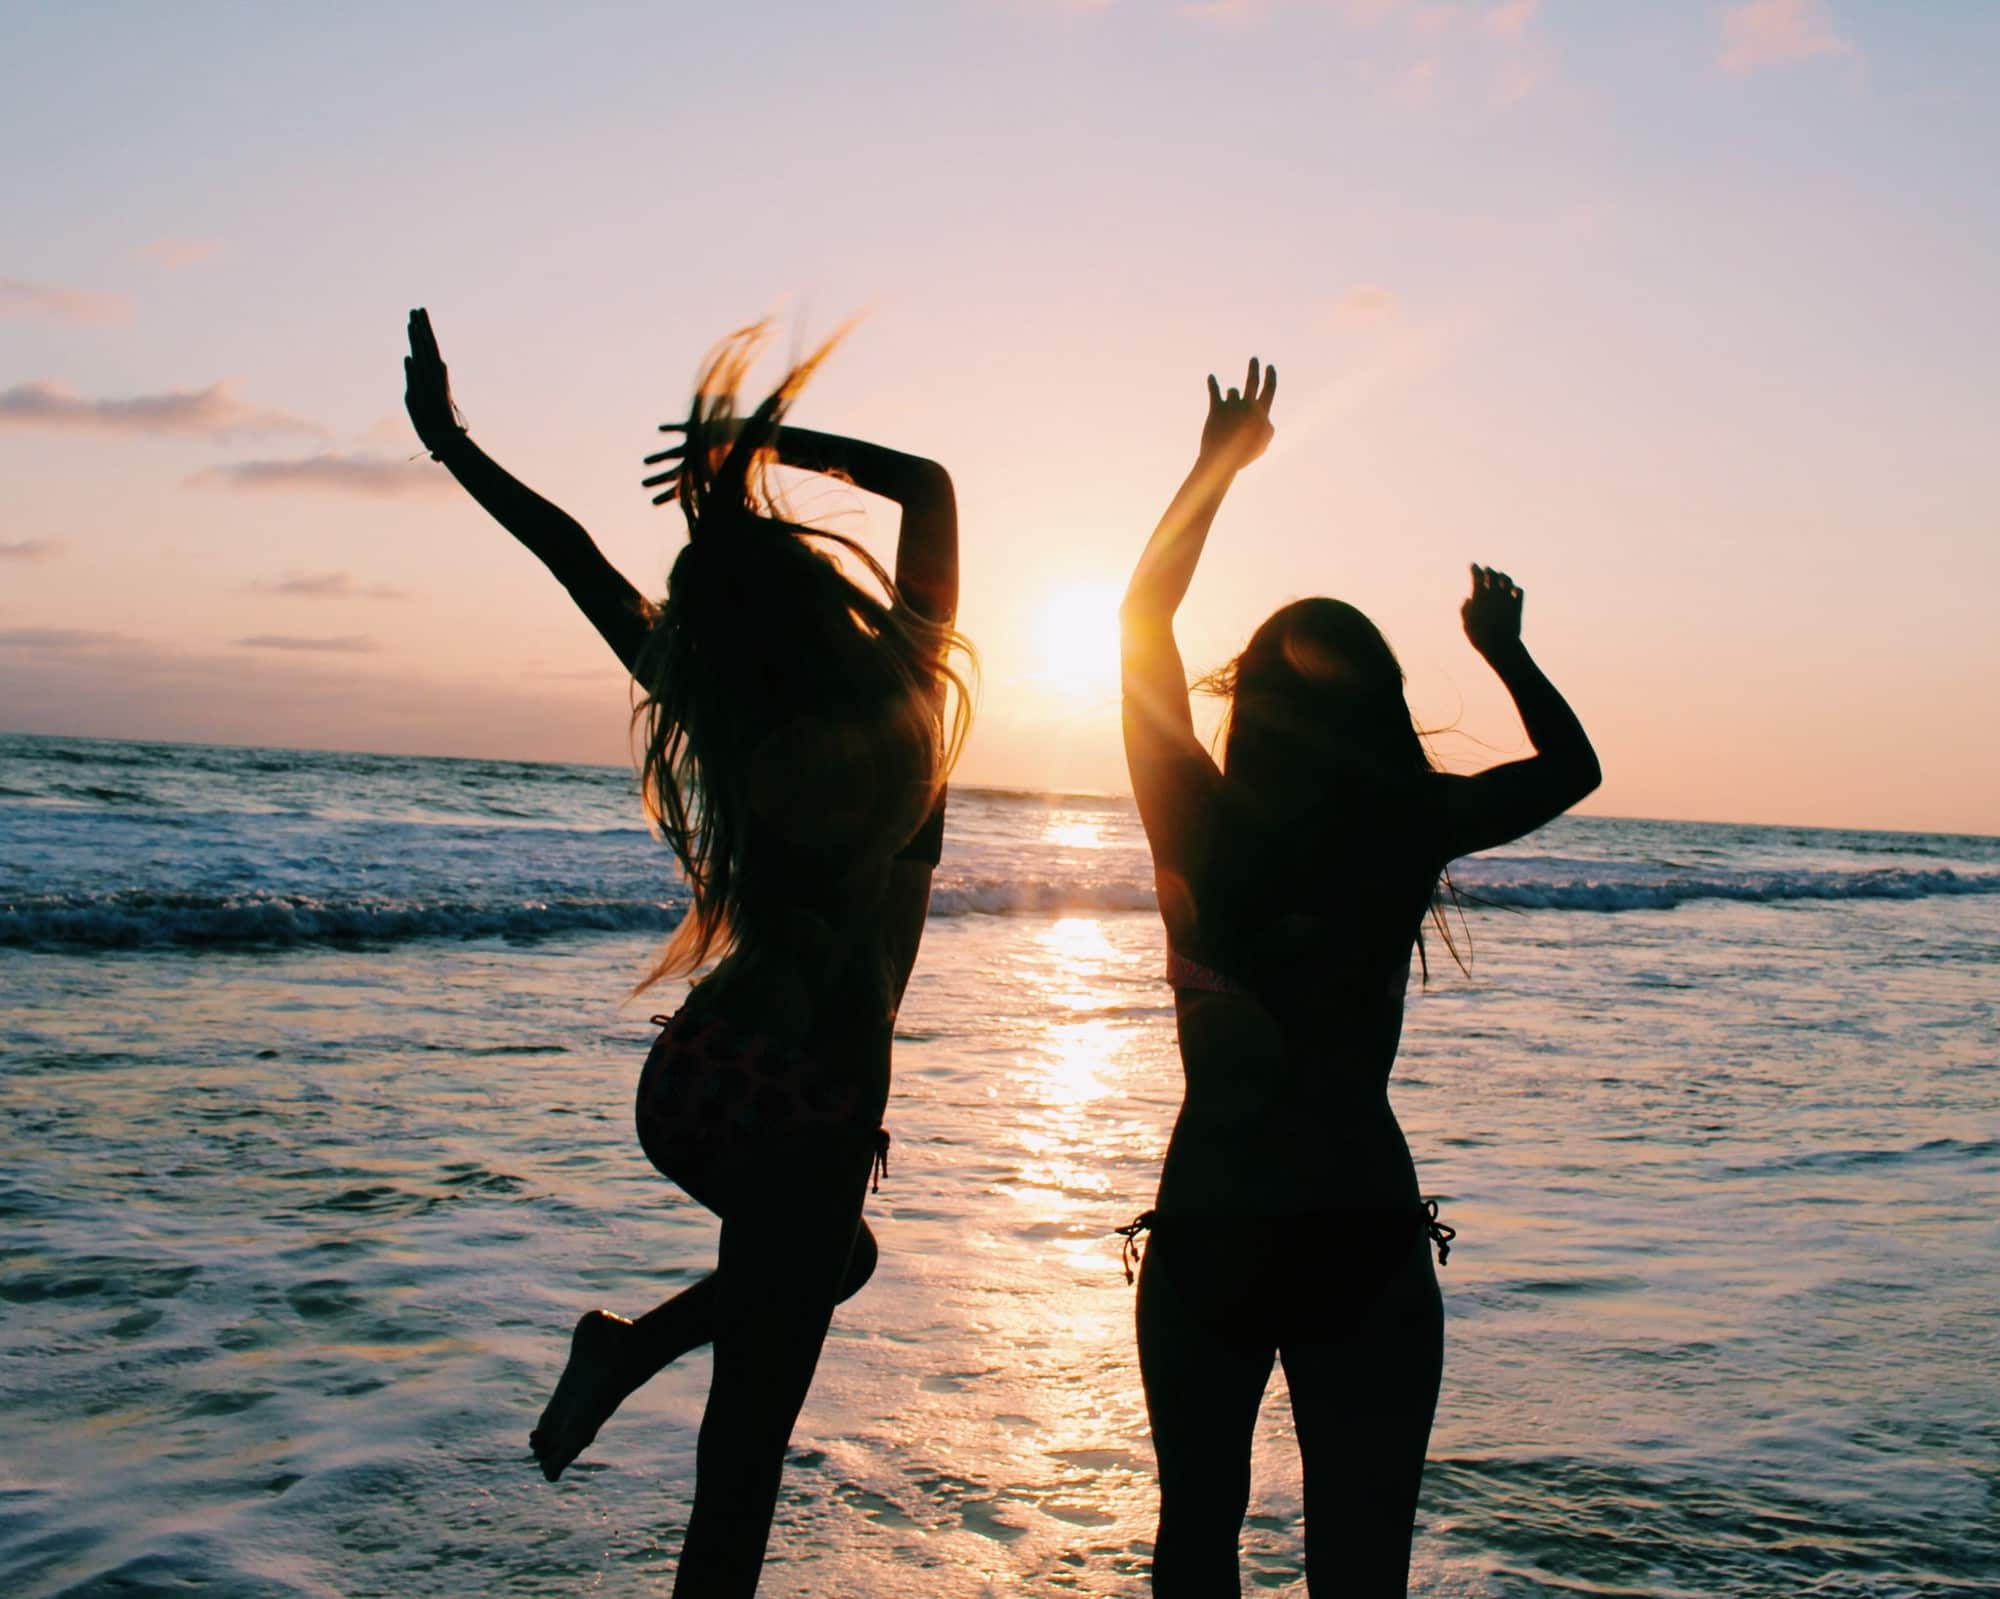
(1683, 314)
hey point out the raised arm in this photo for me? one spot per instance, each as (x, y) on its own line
(927, 544)
(1161, 749)
(614, 607)
(1504, 802)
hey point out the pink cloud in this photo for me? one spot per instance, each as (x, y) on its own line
(55, 638)
(174, 253)
(377, 475)
(393, 430)
(1515, 81)
(61, 303)
(345, 644)
(1364, 302)
(1229, 12)
(1767, 32)
(1510, 19)
(212, 413)
(327, 586)
(32, 551)
(1419, 83)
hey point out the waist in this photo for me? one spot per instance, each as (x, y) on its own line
(1289, 1164)
(1382, 981)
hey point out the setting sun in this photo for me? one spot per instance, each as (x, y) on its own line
(1075, 642)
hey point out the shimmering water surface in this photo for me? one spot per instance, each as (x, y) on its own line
(317, 1139)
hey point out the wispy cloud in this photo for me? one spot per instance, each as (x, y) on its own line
(210, 413)
(174, 252)
(1227, 13)
(378, 475)
(393, 430)
(1769, 32)
(54, 638)
(1438, 51)
(344, 644)
(1364, 302)
(1510, 19)
(1417, 85)
(60, 303)
(1514, 82)
(327, 586)
(33, 552)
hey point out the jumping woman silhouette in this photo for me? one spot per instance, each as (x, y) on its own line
(798, 728)
(1294, 881)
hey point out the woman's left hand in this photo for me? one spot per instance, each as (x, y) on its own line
(427, 389)
(1492, 613)
(1238, 429)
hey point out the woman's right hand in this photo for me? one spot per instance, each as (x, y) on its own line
(1238, 429)
(1492, 612)
(427, 389)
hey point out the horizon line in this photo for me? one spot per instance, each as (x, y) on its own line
(1095, 795)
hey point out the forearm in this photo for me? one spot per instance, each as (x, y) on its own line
(927, 558)
(1552, 727)
(893, 474)
(550, 532)
(618, 611)
(1165, 570)
(927, 543)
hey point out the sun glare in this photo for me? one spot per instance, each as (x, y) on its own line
(1075, 643)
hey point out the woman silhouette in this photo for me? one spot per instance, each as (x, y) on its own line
(796, 744)
(1294, 881)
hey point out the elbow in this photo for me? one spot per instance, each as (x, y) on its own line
(927, 482)
(1589, 774)
(1142, 618)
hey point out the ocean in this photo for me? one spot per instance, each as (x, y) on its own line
(317, 1074)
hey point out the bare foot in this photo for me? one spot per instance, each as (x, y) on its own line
(590, 1389)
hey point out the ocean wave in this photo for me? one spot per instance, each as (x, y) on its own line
(126, 919)
(1587, 893)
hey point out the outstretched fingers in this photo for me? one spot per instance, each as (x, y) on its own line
(423, 341)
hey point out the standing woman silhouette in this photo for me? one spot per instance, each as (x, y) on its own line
(1294, 881)
(798, 728)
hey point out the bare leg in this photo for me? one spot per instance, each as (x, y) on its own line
(611, 1358)
(1203, 1387)
(1363, 1401)
(779, 1274)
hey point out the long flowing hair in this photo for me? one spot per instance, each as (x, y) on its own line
(762, 630)
(1324, 666)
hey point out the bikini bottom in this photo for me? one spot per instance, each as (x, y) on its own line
(1274, 1278)
(722, 1110)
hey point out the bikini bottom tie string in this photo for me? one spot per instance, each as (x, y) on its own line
(1439, 1233)
(1129, 1253)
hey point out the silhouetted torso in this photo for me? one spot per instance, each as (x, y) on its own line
(1313, 916)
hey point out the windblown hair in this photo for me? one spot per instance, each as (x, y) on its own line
(1322, 665)
(761, 631)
